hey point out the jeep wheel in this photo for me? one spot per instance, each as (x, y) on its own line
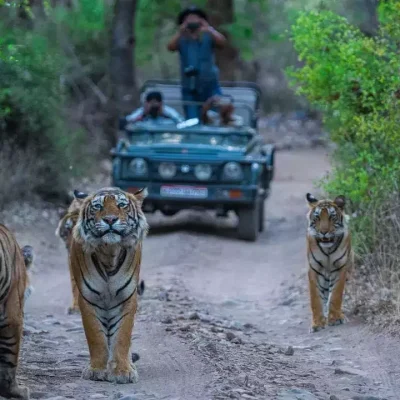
(261, 216)
(249, 219)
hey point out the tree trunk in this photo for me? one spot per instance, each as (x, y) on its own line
(371, 24)
(124, 92)
(221, 12)
(31, 13)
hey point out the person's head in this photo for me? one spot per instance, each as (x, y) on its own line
(224, 105)
(192, 16)
(154, 103)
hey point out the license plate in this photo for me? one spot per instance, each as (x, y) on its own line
(184, 191)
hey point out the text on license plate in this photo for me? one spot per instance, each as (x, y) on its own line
(184, 191)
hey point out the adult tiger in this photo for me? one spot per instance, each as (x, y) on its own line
(13, 281)
(64, 231)
(105, 258)
(330, 257)
(29, 257)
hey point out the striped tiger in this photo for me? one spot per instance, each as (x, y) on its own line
(29, 257)
(330, 257)
(64, 231)
(105, 258)
(13, 282)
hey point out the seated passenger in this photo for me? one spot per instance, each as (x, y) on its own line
(224, 116)
(155, 110)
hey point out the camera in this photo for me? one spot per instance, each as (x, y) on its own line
(154, 110)
(191, 72)
(192, 26)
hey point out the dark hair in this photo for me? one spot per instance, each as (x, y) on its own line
(191, 10)
(155, 95)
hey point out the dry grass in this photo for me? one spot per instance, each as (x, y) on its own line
(374, 288)
(19, 174)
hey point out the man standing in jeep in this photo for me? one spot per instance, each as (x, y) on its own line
(196, 41)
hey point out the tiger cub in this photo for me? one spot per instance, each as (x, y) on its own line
(330, 257)
(13, 282)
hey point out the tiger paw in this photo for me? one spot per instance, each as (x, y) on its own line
(15, 392)
(73, 310)
(336, 321)
(318, 324)
(316, 328)
(124, 375)
(94, 374)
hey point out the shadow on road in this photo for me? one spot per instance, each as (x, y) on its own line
(190, 222)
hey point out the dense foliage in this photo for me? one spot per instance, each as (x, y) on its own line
(55, 89)
(31, 108)
(354, 79)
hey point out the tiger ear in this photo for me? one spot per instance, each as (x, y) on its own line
(80, 195)
(311, 199)
(141, 194)
(340, 201)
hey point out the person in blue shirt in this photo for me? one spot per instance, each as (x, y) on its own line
(196, 41)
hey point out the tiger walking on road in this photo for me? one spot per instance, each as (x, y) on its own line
(330, 257)
(13, 284)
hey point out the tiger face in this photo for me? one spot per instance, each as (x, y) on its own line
(111, 216)
(326, 220)
(29, 256)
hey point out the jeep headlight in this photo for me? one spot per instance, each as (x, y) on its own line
(203, 172)
(233, 171)
(167, 170)
(138, 167)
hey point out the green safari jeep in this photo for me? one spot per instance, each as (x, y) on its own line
(190, 165)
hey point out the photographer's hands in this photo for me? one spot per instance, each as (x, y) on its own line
(218, 38)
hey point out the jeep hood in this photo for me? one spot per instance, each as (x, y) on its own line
(195, 149)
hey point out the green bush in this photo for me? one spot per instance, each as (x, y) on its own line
(31, 107)
(355, 81)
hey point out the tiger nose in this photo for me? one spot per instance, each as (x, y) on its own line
(110, 219)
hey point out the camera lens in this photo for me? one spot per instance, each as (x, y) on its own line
(193, 26)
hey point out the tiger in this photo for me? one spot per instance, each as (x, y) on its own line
(29, 257)
(105, 259)
(64, 231)
(330, 258)
(13, 282)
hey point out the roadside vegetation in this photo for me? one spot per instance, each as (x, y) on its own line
(64, 77)
(353, 79)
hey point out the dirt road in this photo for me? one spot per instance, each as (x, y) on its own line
(219, 319)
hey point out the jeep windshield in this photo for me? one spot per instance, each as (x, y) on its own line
(202, 136)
